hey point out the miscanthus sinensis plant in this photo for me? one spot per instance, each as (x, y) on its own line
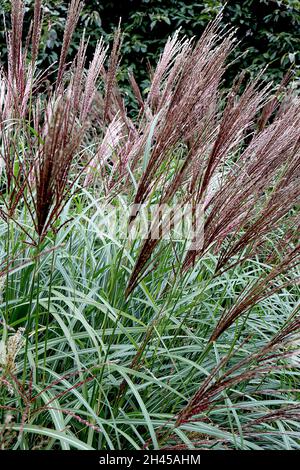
(118, 342)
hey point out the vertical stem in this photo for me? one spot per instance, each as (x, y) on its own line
(29, 317)
(5, 323)
(37, 308)
(48, 313)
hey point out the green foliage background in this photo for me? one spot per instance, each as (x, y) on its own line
(269, 30)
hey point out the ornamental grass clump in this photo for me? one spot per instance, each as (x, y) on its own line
(186, 334)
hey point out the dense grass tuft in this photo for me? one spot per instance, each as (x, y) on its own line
(111, 341)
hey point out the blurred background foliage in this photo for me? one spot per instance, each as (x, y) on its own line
(269, 31)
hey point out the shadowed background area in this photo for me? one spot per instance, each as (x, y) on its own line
(269, 31)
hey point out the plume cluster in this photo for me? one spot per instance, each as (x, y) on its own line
(43, 139)
(234, 153)
(187, 135)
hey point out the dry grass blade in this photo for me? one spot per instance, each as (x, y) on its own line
(262, 288)
(268, 359)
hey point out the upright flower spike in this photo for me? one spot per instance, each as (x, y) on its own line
(74, 11)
